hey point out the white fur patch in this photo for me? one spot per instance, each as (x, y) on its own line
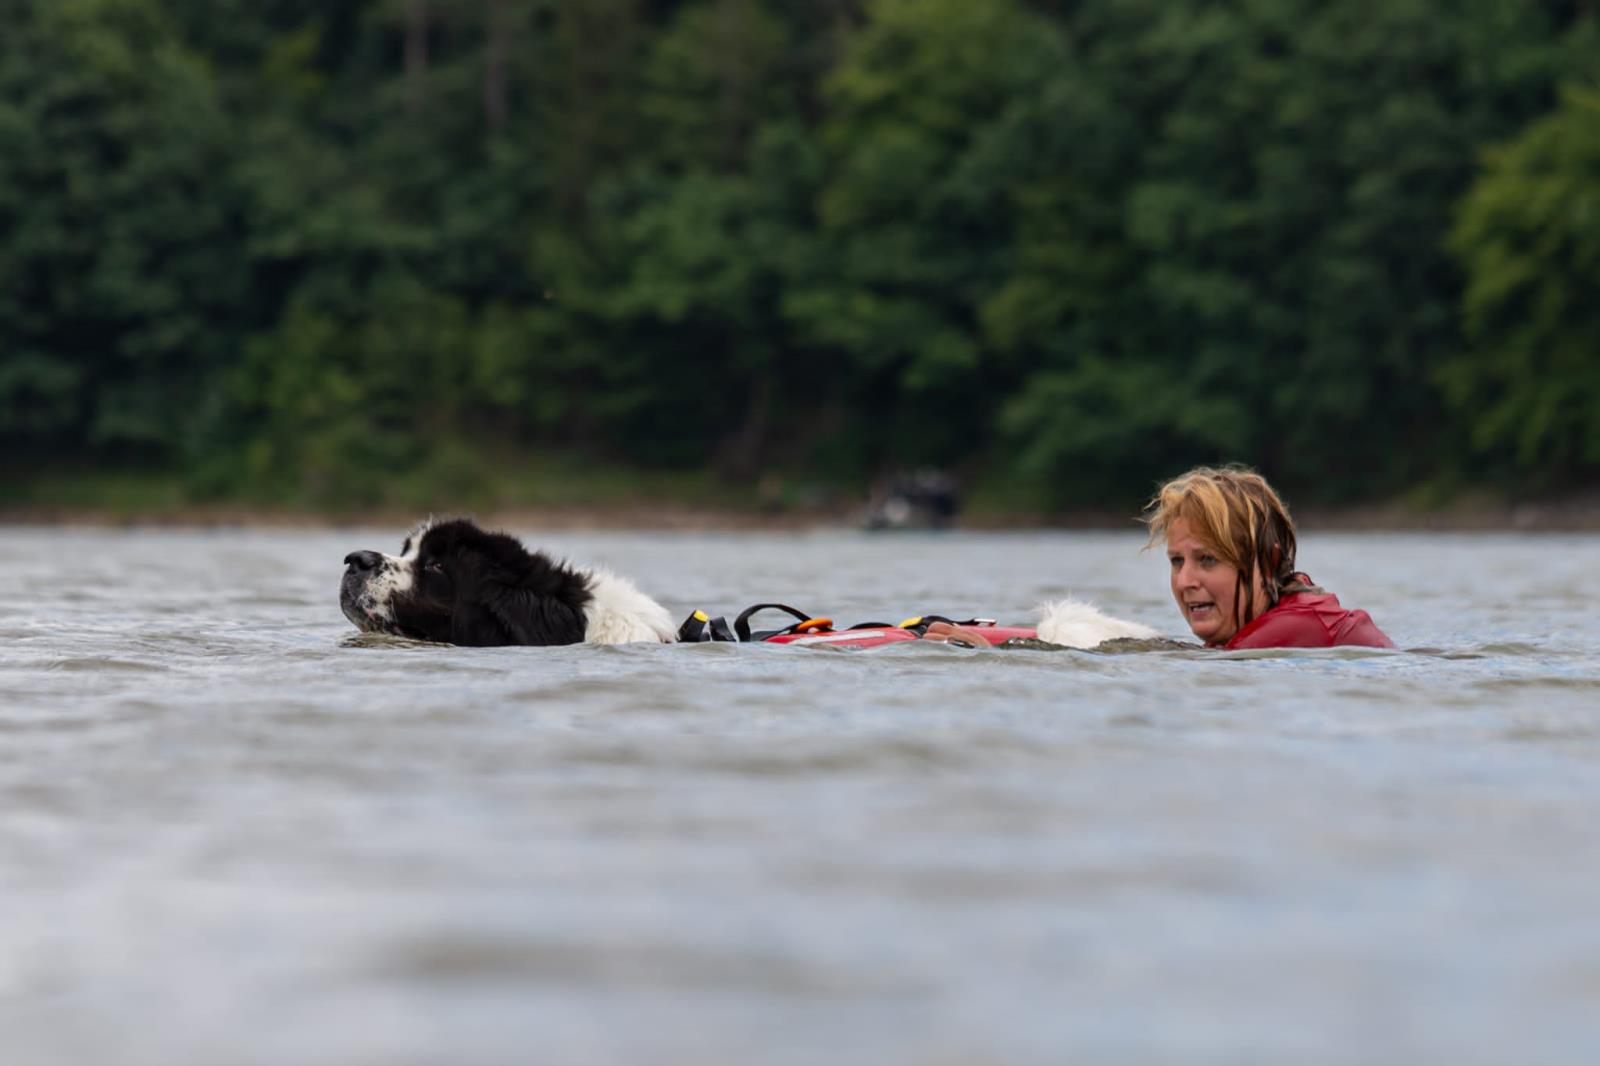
(408, 550)
(618, 613)
(393, 577)
(1074, 624)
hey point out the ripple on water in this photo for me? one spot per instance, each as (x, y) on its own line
(1509, 647)
(846, 757)
(1544, 732)
(386, 641)
(1558, 681)
(1120, 646)
(631, 961)
(51, 720)
(98, 664)
(263, 600)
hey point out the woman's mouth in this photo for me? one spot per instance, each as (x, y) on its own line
(1201, 610)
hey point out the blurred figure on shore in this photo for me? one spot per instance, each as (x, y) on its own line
(923, 499)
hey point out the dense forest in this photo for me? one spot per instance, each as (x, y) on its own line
(281, 248)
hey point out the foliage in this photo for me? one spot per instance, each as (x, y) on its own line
(292, 248)
(914, 217)
(116, 309)
(1529, 237)
(1259, 257)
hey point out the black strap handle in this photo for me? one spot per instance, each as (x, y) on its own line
(741, 625)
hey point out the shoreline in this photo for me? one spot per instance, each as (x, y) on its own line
(1581, 516)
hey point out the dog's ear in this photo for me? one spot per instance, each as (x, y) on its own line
(499, 558)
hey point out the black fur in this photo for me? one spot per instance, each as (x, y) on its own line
(485, 589)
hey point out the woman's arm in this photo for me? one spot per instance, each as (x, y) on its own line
(946, 633)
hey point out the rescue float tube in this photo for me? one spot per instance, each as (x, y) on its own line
(809, 629)
(878, 636)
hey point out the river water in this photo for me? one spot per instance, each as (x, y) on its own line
(232, 830)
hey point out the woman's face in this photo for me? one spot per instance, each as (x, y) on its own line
(1205, 586)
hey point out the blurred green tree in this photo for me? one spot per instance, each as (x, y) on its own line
(689, 245)
(1242, 208)
(914, 218)
(1528, 236)
(121, 296)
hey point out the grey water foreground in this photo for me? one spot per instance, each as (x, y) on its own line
(234, 831)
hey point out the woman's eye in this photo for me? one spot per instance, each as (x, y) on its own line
(1208, 560)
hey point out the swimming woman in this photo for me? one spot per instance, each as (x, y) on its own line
(1231, 546)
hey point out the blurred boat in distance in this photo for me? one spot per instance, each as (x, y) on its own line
(922, 499)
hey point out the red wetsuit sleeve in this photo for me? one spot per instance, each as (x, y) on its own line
(1306, 620)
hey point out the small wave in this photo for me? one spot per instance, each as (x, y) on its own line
(1546, 681)
(877, 755)
(640, 963)
(266, 600)
(1342, 652)
(58, 723)
(1508, 647)
(386, 640)
(1134, 645)
(100, 664)
(1538, 733)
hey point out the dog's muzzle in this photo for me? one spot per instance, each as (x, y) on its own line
(363, 597)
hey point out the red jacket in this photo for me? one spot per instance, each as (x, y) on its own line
(1309, 620)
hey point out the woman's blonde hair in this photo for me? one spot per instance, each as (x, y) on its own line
(1234, 512)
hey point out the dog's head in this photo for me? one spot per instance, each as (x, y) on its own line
(455, 583)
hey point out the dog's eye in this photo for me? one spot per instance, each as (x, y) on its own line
(433, 566)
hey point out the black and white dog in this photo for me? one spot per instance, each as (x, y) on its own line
(455, 583)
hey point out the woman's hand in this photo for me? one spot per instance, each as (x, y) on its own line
(962, 636)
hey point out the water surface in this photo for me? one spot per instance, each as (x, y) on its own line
(234, 831)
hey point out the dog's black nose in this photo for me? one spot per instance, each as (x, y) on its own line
(363, 560)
